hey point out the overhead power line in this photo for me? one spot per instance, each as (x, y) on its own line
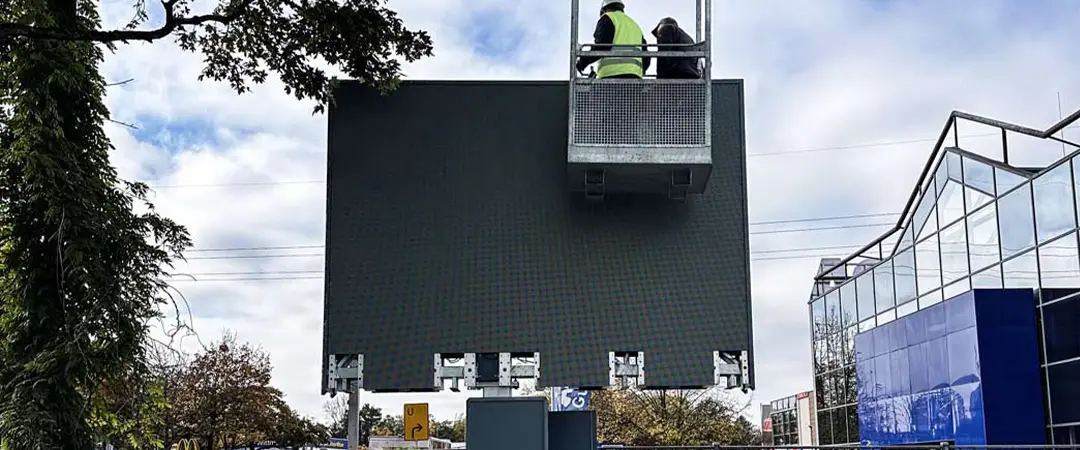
(750, 155)
(769, 222)
(318, 274)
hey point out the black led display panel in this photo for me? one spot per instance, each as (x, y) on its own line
(451, 229)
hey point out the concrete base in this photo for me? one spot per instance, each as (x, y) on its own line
(518, 423)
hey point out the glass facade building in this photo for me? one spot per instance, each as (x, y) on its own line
(790, 420)
(974, 225)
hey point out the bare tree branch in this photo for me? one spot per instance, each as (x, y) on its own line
(172, 23)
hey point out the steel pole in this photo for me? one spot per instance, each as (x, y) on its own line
(353, 418)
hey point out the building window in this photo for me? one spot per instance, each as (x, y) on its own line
(1061, 322)
(951, 203)
(864, 287)
(1064, 380)
(884, 295)
(979, 176)
(954, 254)
(1017, 224)
(1021, 271)
(1059, 263)
(928, 265)
(848, 310)
(1054, 203)
(983, 237)
(904, 276)
(987, 279)
(925, 218)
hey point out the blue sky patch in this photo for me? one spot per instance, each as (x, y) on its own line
(491, 34)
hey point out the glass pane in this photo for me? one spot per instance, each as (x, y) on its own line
(824, 423)
(954, 259)
(832, 311)
(847, 304)
(956, 288)
(884, 296)
(979, 176)
(951, 203)
(1017, 227)
(1006, 180)
(864, 285)
(1061, 320)
(975, 199)
(956, 171)
(906, 309)
(887, 316)
(904, 271)
(1076, 179)
(924, 210)
(821, 348)
(928, 264)
(983, 237)
(852, 423)
(908, 238)
(941, 175)
(1059, 263)
(930, 299)
(1064, 384)
(1054, 203)
(931, 225)
(987, 279)
(1021, 272)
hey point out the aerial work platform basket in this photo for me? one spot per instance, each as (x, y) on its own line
(641, 135)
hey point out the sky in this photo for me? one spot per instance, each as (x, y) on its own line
(843, 102)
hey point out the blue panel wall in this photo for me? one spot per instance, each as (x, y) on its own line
(1010, 374)
(922, 378)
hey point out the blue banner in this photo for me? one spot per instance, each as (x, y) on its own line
(569, 399)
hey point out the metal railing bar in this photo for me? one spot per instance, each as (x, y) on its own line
(642, 53)
(648, 81)
(649, 45)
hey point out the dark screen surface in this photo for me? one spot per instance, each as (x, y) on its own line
(451, 229)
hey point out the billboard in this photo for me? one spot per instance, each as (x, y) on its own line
(450, 229)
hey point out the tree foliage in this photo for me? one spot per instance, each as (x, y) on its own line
(84, 253)
(337, 410)
(224, 397)
(82, 267)
(244, 41)
(670, 418)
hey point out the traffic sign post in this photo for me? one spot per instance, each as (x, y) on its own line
(417, 426)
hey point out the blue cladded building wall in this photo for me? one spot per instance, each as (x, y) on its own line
(965, 370)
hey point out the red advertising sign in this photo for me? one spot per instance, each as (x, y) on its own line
(802, 395)
(766, 425)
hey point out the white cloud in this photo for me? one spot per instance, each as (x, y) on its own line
(837, 74)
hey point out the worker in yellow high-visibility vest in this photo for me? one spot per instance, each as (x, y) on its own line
(616, 27)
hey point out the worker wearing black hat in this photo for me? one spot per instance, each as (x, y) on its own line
(668, 32)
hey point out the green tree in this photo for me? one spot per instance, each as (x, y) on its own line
(337, 409)
(670, 418)
(84, 253)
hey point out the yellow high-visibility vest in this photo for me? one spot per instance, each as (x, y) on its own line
(629, 33)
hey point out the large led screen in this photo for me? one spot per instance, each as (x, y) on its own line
(450, 229)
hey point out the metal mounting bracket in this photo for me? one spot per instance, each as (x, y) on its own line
(508, 371)
(732, 369)
(626, 368)
(344, 370)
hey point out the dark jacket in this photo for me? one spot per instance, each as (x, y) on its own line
(668, 32)
(605, 34)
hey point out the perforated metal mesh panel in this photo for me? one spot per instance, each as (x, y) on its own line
(651, 113)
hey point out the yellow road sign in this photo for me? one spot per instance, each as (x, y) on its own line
(416, 422)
